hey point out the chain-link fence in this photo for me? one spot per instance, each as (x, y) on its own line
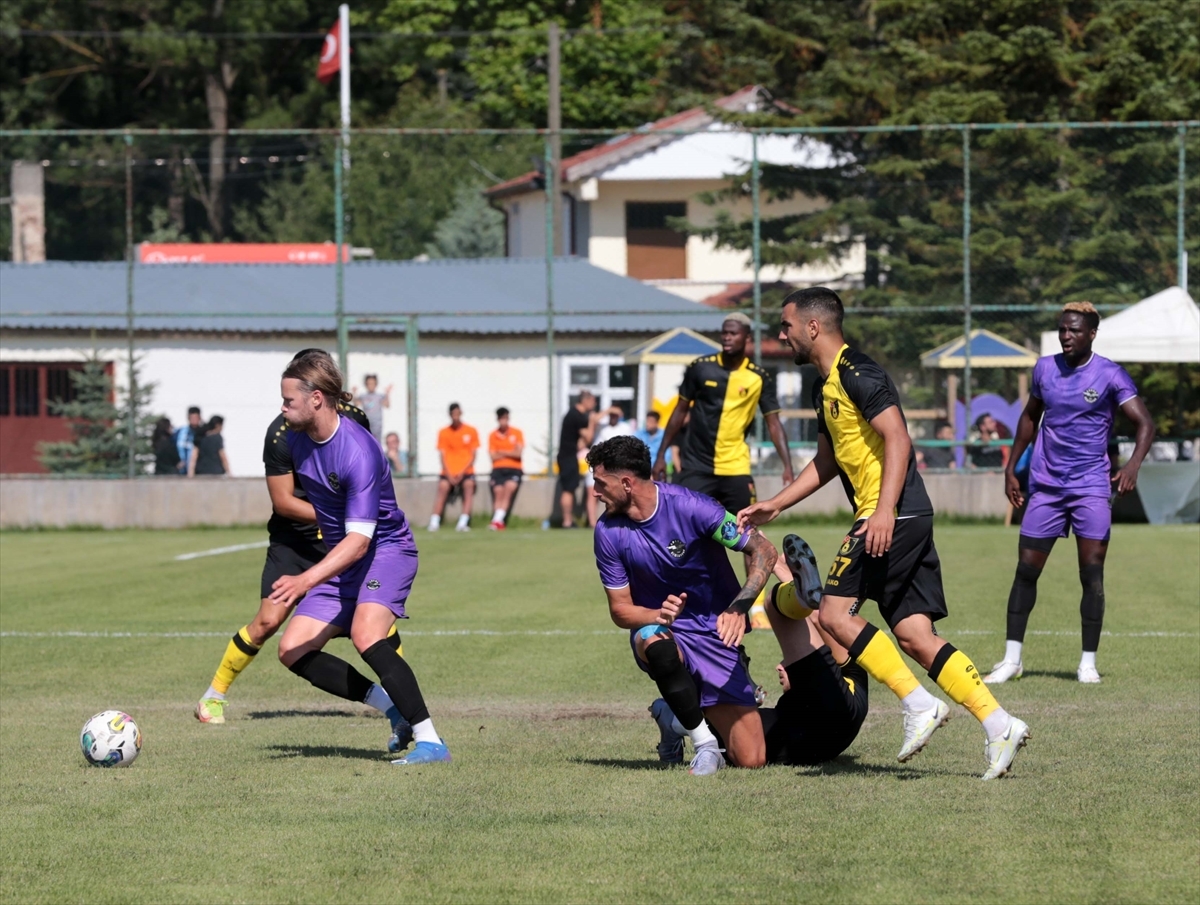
(930, 233)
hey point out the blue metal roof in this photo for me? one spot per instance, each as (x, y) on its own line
(684, 344)
(450, 296)
(987, 351)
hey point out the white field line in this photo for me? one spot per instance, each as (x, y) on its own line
(453, 633)
(217, 551)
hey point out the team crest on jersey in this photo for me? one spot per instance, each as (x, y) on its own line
(676, 548)
(333, 481)
(373, 584)
(850, 542)
(1090, 395)
(729, 530)
(743, 391)
(834, 408)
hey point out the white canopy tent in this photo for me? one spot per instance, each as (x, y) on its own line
(1162, 328)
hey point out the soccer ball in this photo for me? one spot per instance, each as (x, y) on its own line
(110, 739)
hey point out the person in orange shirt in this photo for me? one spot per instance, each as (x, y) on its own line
(505, 445)
(456, 445)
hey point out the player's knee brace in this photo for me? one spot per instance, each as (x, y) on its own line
(674, 682)
(1091, 605)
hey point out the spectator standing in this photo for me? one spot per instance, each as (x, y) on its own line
(578, 428)
(506, 444)
(186, 437)
(651, 435)
(391, 444)
(208, 455)
(612, 425)
(940, 456)
(373, 403)
(457, 444)
(166, 455)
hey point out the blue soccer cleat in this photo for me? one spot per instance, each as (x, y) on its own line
(425, 753)
(402, 734)
(670, 745)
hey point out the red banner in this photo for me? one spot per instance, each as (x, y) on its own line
(240, 253)
(331, 55)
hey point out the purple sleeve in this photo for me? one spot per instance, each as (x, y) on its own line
(1122, 388)
(612, 570)
(1035, 385)
(363, 489)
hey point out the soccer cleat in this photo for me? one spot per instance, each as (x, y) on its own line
(670, 744)
(425, 753)
(919, 728)
(1001, 750)
(802, 563)
(1003, 671)
(1088, 675)
(707, 761)
(402, 734)
(462, 529)
(211, 710)
(496, 526)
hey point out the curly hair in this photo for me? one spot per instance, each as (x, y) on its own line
(622, 454)
(1087, 310)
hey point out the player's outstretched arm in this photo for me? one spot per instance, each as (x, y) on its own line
(627, 614)
(761, 556)
(282, 488)
(674, 424)
(816, 474)
(1027, 426)
(1126, 477)
(349, 550)
(779, 438)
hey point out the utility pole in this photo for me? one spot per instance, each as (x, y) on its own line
(554, 124)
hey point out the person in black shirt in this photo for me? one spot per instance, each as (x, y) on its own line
(295, 546)
(939, 456)
(578, 427)
(166, 455)
(208, 455)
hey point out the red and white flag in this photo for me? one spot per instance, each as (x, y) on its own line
(331, 55)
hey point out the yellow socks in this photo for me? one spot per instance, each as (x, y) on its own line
(875, 653)
(393, 638)
(787, 601)
(238, 655)
(957, 676)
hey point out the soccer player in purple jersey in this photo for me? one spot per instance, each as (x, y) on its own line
(660, 549)
(363, 582)
(1074, 396)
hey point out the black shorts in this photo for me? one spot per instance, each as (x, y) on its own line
(734, 492)
(904, 581)
(568, 474)
(820, 716)
(504, 475)
(288, 559)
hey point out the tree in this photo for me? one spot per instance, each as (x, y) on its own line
(99, 421)
(473, 229)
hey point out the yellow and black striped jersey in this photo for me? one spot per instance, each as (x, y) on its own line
(856, 391)
(723, 404)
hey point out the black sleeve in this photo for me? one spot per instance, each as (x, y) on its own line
(353, 411)
(818, 404)
(277, 458)
(768, 402)
(869, 388)
(691, 381)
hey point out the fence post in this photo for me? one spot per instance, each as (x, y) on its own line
(339, 236)
(1181, 267)
(131, 427)
(411, 338)
(756, 246)
(966, 144)
(550, 180)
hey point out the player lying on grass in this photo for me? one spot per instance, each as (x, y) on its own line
(661, 554)
(824, 699)
(295, 545)
(362, 584)
(1074, 397)
(888, 555)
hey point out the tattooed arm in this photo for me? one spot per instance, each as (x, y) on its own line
(760, 561)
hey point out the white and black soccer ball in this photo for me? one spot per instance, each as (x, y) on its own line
(110, 739)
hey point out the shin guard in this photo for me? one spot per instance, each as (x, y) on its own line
(1091, 606)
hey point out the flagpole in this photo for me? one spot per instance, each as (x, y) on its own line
(341, 165)
(344, 74)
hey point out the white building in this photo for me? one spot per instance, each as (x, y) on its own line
(617, 198)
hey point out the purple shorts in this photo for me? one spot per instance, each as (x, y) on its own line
(720, 672)
(1055, 515)
(388, 580)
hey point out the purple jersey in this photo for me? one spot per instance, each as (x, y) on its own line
(680, 548)
(1071, 452)
(349, 483)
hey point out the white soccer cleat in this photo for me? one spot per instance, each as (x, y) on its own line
(1088, 675)
(1003, 672)
(919, 728)
(462, 529)
(1001, 750)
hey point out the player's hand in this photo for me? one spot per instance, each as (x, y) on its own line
(878, 528)
(671, 608)
(659, 471)
(288, 589)
(1125, 479)
(1012, 490)
(731, 626)
(757, 515)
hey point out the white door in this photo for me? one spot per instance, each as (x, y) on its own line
(613, 381)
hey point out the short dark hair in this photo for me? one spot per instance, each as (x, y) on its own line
(653, 414)
(453, 406)
(626, 453)
(215, 421)
(824, 301)
(193, 410)
(501, 412)
(367, 377)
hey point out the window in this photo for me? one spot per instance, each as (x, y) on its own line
(653, 250)
(585, 376)
(27, 401)
(622, 375)
(59, 387)
(5, 389)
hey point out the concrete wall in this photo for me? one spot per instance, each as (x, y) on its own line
(31, 502)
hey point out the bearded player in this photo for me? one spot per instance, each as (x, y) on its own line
(294, 545)
(888, 555)
(1074, 397)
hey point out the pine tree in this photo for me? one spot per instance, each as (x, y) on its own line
(473, 229)
(99, 420)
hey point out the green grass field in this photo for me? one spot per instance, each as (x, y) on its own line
(555, 794)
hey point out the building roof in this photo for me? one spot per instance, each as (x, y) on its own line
(623, 148)
(678, 346)
(488, 295)
(988, 350)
